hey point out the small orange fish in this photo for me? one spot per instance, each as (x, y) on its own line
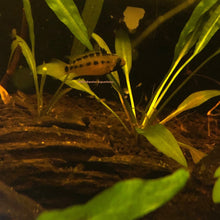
(94, 63)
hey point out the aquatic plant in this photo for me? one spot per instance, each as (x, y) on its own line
(126, 200)
(202, 25)
(216, 189)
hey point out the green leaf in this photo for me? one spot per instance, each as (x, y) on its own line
(56, 70)
(90, 15)
(216, 189)
(126, 200)
(216, 192)
(103, 45)
(161, 138)
(123, 48)
(192, 101)
(217, 173)
(68, 13)
(27, 54)
(209, 29)
(27, 9)
(191, 26)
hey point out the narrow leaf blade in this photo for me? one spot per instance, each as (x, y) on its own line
(191, 25)
(90, 15)
(209, 29)
(27, 9)
(68, 13)
(192, 101)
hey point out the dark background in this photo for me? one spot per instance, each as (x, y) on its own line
(54, 40)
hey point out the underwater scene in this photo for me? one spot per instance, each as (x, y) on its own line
(110, 109)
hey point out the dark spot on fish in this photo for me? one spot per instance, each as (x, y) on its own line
(102, 61)
(75, 67)
(78, 59)
(91, 54)
(86, 56)
(107, 61)
(118, 64)
(66, 68)
(74, 61)
(103, 51)
(97, 53)
(81, 65)
(95, 62)
(71, 67)
(88, 64)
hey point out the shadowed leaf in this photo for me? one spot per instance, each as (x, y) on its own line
(126, 200)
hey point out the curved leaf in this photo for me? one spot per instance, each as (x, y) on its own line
(209, 29)
(216, 189)
(126, 200)
(192, 24)
(68, 13)
(90, 15)
(161, 138)
(192, 101)
(27, 9)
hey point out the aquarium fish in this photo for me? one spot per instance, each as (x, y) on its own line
(94, 63)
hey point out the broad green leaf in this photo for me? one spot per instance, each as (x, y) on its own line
(90, 15)
(209, 29)
(192, 24)
(216, 189)
(161, 138)
(126, 200)
(192, 101)
(27, 9)
(68, 13)
(216, 192)
(217, 173)
(123, 48)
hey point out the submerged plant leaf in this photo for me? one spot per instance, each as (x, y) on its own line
(56, 70)
(68, 13)
(209, 29)
(126, 200)
(192, 24)
(161, 138)
(196, 155)
(217, 173)
(192, 101)
(90, 15)
(216, 189)
(103, 45)
(27, 54)
(123, 48)
(27, 9)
